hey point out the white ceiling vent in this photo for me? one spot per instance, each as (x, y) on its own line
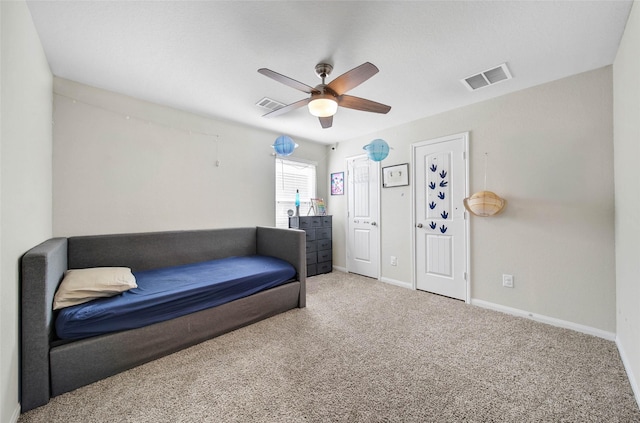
(488, 77)
(269, 104)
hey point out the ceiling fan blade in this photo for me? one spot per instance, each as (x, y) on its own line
(326, 122)
(287, 108)
(287, 81)
(352, 78)
(363, 104)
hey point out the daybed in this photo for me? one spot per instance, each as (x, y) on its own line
(51, 366)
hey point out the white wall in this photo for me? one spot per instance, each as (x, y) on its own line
(626, 106)
(550, 151)
(25, 181)
(125, 165)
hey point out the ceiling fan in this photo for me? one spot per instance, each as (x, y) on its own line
(324, 98)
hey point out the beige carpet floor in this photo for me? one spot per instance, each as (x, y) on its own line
(365, 351)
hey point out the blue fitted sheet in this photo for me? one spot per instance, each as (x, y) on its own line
(170, 292)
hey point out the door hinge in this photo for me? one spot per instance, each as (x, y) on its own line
(465, 275)
(464, 155)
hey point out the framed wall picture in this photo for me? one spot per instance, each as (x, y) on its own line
(337, 183)
(395, 176)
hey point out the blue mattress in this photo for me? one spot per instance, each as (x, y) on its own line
(170, 292)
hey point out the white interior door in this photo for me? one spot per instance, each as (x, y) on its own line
(363, 233)
(441, 225)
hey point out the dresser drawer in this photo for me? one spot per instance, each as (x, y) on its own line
(324, 244)
(311, 234)
(309, 222)
(312, 246)
(324, 255)
(323, 233)
(312, 269)
(324, 267)
(312, 258)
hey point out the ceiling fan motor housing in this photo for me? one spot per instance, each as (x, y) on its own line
(323, 70)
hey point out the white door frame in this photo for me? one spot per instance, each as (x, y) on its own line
(414, 146)
(346, 227)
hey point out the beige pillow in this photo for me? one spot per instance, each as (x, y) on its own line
(82, 285)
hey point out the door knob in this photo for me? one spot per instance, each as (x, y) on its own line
(373, 223)
(419, 225)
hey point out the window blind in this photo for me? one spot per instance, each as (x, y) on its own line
(292, 175)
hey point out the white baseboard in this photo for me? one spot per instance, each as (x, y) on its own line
(397, 283)
(610, 336)
(16, 414)
(627, 366)
(382, 279)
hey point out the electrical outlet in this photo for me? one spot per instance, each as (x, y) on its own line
(507, 281)
(394, 261)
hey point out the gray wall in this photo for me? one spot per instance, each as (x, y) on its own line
(25, 180)
(125, 165)
(626, 106)
(550, 155)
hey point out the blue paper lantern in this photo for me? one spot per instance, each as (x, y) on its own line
(284, 145)
(377, 150)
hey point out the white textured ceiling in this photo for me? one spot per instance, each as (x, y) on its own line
(203, 57)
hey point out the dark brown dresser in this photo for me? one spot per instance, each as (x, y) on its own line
(319, 254)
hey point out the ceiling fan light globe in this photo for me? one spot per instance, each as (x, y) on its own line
(323, 107)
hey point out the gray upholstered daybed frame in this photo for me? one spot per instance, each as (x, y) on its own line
(50, 367)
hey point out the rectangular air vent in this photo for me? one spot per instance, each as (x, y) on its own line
(488, 77)
(269, 104)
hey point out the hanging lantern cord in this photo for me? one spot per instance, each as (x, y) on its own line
(485, 170)
(484, 203)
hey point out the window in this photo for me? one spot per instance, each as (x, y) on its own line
(291, 176)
